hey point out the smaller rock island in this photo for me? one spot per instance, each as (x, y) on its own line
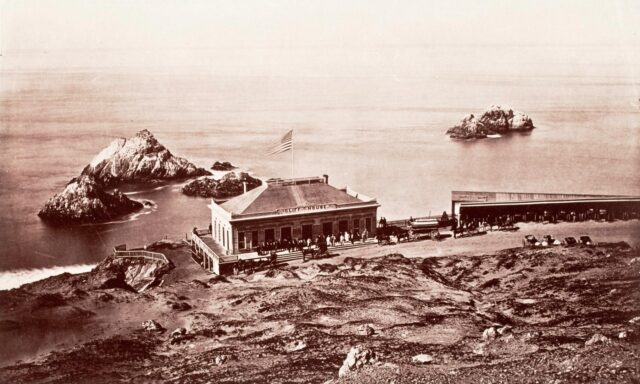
(84, 200)
(223, 166)
(495, 120)
(228, 186)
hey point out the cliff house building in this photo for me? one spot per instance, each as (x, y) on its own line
(291, 209)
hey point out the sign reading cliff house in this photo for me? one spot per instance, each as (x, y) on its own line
(290, 209)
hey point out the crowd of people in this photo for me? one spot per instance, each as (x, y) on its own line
(292, 245)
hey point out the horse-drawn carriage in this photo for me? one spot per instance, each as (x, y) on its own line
(314, 251)
(385, 232)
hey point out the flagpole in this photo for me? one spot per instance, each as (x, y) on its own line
(292, 163)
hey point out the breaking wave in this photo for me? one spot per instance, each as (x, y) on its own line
(15, 278)
(134, 216)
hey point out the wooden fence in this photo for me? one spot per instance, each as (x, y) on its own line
(140, 254)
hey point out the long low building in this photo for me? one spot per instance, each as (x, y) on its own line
(290, 209)
(474, 205)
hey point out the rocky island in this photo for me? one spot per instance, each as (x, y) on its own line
(495, 120)
(84, 200)
(228, 186)
(223, 166)
(140, 159)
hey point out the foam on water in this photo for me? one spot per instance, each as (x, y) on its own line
(15, 278)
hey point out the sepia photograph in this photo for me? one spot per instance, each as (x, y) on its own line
(299, 191)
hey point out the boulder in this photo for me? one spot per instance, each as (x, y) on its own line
(495, 120)
(366, 330)
(140, 159)
(532, 335)
(504, 330)
(84, 200)
(422, 358)
(178, 332)
(178, 335)
(297, 345)
(152, 326)
(597, 339)
(622, 335)
(134, 275)
(222, 359)
(489, 334)
(357, 357)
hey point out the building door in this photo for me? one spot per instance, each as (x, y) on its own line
(307, 231)
(356, 225)
(254, 239)
(343, 226)
(327, 228)
(367, 224)
(285, 233)
(269, 235)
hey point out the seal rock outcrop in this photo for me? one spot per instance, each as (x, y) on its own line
(84, 200)
(228, 186)
(139, 159)
(495, 120)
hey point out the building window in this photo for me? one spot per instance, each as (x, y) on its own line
(356, 225)
(307, 231)
(269, 235)
(241, 240)
(343, 226)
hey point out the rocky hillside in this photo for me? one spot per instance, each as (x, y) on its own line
(139, 159)
(495, 120)
(228, 186)
(562, 315)
(84, 200)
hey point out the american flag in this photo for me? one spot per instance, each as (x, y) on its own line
(282, 145)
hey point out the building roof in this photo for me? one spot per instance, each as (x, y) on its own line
(477, 197)
(272, 197)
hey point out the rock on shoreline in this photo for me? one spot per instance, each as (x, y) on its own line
(228, 186)
(84, 200)
(139, 159)
(495, 120)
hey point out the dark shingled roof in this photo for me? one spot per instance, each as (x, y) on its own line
(270, 197)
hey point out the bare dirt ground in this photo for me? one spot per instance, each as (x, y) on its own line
(481, 314)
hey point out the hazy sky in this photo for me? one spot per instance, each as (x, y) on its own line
(315, 37)
(86, 24)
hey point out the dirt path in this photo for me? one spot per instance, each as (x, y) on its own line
(627, 231)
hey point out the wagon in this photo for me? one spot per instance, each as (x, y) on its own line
(314, 251)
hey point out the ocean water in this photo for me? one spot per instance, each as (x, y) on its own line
(376, 125)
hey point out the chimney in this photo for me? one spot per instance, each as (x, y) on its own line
(326, 179)
(244, 187)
